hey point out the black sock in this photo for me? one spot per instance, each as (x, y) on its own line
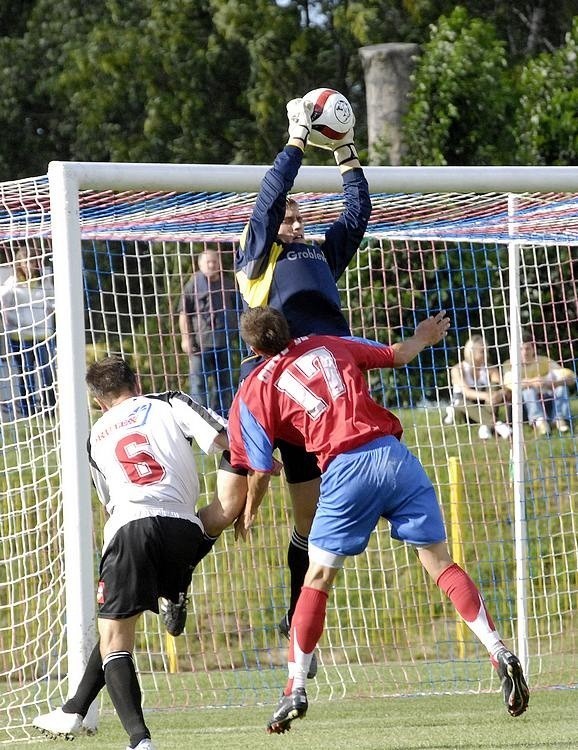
(124, 690)
(89, 687)
(298, 561)
(205, 546)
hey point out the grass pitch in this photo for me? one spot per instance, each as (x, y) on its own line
(465, 722)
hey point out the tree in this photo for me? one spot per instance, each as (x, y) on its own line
(34, 118)
(461, 97)
(547, 119)
(293, 47)
(208, 80)
(155, 81)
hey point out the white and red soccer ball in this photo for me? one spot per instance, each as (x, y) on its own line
(332, 114)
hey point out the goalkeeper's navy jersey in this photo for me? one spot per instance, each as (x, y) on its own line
(141, 459)
(313, 391)
(300, 279)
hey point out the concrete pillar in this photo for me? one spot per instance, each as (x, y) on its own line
(387, 69)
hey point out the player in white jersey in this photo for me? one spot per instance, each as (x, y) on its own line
(144, 471)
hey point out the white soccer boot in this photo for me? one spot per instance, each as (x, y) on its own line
(89, 726)
(145, 744)
(450, 416)
(503, 430)
(58, 724)
(484, 433)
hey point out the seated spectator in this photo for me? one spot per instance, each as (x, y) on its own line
(477, 392)
(545, 389)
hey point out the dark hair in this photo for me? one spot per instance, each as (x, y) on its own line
(111, 377)
(265, 329)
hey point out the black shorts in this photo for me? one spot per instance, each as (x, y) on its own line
(299, 466)
(146, 559)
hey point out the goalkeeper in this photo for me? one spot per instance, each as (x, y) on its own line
(275, 266)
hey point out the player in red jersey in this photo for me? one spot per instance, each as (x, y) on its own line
(144, 472)
(315, 388)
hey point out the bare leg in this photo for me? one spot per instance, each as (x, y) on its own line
(304, 498)
(116, 635)
(306, 630)
(227, 504)
(435, 559)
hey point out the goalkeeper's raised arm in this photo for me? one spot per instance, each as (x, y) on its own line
(344, 149)
(277, 266)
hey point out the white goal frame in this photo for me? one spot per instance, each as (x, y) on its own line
(67, 179)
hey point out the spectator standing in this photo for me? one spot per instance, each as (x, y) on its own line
(27, 308)
(208, 324)
(477, 392)
(316, 386)
(545, 388)
(144, 472)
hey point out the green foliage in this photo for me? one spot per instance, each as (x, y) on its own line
(461, 96)
(204, 81)
(166, 87)
(547, 119)
(207, 81)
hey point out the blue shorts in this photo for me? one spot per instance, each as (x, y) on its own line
(381, 479)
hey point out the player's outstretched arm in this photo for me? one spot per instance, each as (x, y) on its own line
(429, 332)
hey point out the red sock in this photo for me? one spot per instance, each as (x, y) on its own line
(306, 626)
(308, 620)
(463, 594)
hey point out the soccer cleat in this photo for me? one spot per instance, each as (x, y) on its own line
(174, 615)
(450, 416)
(503, 430)
(485, 432)
(562, 425)
(145, 744)
(89, 726)
(59, 724)
(542, 427)
(290, 707)
(284, 629)
(514, 687)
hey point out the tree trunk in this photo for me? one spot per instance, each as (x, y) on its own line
(387, 69)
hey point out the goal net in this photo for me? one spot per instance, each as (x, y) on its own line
(111, 255)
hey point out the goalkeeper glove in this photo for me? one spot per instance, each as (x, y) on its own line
(299, 116)
(343, 149)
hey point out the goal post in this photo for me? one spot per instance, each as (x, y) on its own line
(495, 246)
(66, 179)
(73, 424)
(247, 178)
